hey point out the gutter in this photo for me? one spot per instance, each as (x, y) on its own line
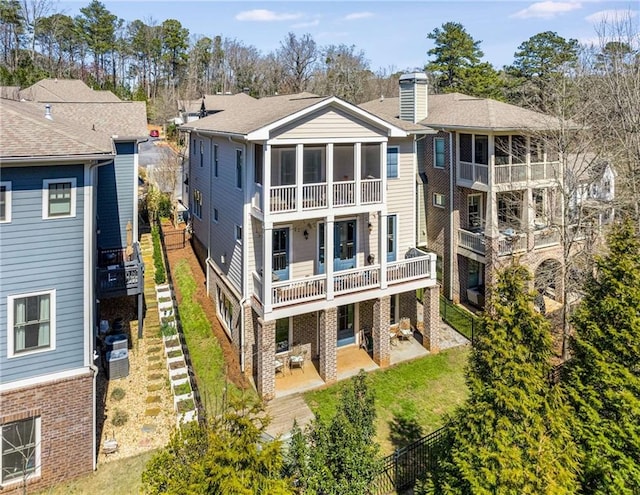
(37, 160)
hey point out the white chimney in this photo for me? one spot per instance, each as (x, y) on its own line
(413, 97)
(47, 112)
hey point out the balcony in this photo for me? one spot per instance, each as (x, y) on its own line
(473, 173)
(417, 265)
(471, 240)
(476, 175)
(118, 273)
(545, 238)
(474, 241)
(289, 198)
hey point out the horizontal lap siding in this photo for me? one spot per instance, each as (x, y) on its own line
(229, 201)
(401, 196)
(115, 201)
(326, 125)
(40, 255)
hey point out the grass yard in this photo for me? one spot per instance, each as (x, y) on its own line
(122, 476)
(411, 398)
(205, 351)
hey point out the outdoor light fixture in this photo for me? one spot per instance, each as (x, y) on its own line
(305, 234)
(370, 227)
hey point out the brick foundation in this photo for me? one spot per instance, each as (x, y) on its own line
(380, 334)
(65, 408)
(328, 344)
(431, 326)
(266, 355)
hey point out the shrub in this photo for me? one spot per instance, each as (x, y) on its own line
(119, 418)
(182, 389)
(118, 393)
(166, 329)
(160, 276)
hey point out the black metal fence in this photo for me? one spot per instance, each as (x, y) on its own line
(402, 468)
(461, 320)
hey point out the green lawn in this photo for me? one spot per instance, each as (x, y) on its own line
(205, 351)
(411, 398)
(122, 477)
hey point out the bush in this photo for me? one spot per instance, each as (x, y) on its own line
(160, 276)
(119, 418)
(118, 393)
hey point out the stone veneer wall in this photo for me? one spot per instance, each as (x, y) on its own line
(305, 331)
(365, 310)
(431, 327)
(408, 303)
(65, 408)
(266, 355)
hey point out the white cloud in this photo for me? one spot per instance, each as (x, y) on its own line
(263, 15)
(547, 10)
(301, 25)
(357, 15)
(611, 16)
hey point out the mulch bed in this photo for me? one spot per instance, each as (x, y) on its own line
(230, 353)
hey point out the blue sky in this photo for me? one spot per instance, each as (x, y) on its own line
(392, 34)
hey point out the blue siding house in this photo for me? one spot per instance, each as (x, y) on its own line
(68, 237)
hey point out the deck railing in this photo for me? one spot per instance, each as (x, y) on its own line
(344, 193)
(512, 244)
(356, 279)
(474, 241)
(301, 290)
(119, 274)
(314, 196)
(546, 237)
(371, 191)
(283, 198)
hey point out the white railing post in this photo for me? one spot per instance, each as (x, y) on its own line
(382, 245)
(330, 175)
(357, 175)
(299, 177)
(328, 256)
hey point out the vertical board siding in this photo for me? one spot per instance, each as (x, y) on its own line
(40, 255)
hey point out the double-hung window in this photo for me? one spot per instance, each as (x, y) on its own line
(239, 169)
(31, 319)
(438, 153)
(215, 160)
(20, 446)
(5, 202)
(392, 162)
(197, 203)
(59, 198)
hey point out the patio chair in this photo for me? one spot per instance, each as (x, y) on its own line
(279, 366)
(297, 358)
(393, 337)
(405, 332)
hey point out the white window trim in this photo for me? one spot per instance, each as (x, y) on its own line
(386, 171)
(435, 203)
(435, 155)
(36, 473)
(52, 324)
(45, 198)
(7, 201)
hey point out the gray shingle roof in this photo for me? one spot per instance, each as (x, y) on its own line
(214, 102)
(455, 110)
(69, 90)
(124, 118)
(241, 115)
(25, 132)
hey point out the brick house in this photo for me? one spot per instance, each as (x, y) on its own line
(489, 190)
(68, 191)
(303, 212)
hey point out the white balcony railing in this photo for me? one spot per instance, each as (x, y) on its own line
(283, 198)
(301, 290)
(512, 244)
(314, 196)
(546, 237)
(410, 269)
(356, 279)
(506, 174)
(473, 241)
(371, 191)
(344, 193)
(474, 172)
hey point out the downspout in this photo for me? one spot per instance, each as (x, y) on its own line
(245, 233)
(451, 229)
(91, 352)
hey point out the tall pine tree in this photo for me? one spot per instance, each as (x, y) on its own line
(512, 436)
(603, 378)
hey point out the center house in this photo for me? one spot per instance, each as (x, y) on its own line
(304, 213)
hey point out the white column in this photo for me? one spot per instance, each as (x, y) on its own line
(266, 181)
(329, 178)
(383, 171)
(328, 255)
(382, 247)
(357, 173)
(299, 175)
(267, 257)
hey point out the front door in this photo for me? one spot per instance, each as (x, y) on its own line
(346, 325)
(281, 253)
(392, 225)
